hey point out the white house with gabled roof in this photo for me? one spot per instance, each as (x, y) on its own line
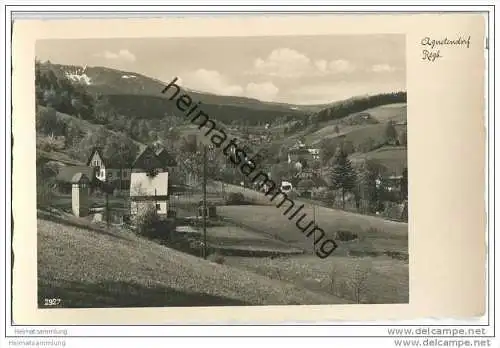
(149, 189)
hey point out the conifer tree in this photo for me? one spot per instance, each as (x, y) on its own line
(343, 176)
(390, 133)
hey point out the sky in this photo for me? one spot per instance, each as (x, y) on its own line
(288, 69)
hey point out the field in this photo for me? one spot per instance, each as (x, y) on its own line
(394, 158)
(376, 236)
(387, 280)
(114, 268)
(395, 112)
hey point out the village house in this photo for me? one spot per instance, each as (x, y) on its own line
(118, 174)
(110, 170)
(64, 178)
(300, 154)
(167, 161)
(66, 174)
(315, 153)
(149, 190)
(149, 181)
(303, 154)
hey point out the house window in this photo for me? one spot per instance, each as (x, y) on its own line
(158, 207)
(102, 172)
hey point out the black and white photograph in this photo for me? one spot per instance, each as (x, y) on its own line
(222, 171)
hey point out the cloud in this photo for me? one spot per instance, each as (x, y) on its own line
(283, 62)
(289, 63)
(340, 66)
(211, 81)
(122, 54)
(265, 91)
(378, 68)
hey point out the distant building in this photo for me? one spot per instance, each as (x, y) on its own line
(118, 174)
(166, 160)
(299, 154)
(393, 182)
(110, 170)
(64, 178)
(66, 174)
(146, 161)
(149, 190)
(150, 158)
(314, 153)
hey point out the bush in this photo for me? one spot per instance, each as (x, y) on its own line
(44, 193)
(217, 258)
(146, 221)
(345, 236)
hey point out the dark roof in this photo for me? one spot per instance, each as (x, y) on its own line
(109, 162)
(79, 177)
(67, 173)
(165, 158)
(94, 150)
(300, 151)
(140, 160)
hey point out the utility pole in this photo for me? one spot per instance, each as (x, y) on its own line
(107, 209)
(314, 222)
(205, 202)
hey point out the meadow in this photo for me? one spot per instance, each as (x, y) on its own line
(101, 268)
(375, 236)
(387, 280)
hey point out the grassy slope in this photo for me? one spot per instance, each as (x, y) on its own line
(377, 235)
(388, 281)
(395, 112)
(84, 126)
(359, 133)
(97, 268)
(394, 158)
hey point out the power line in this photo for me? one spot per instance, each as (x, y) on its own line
(205, 202)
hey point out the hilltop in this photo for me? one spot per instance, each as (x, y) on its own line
(139, 96)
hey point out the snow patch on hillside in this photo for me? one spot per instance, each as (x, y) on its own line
(79, 76)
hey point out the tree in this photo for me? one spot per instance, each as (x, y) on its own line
(368, 173)
(46, 120)
(404, 184)
(147, 220)
(189, 144)
(122, 150)
(73, 134)
(343, 176)
(306, 185)
(403, 138)
(143, 131)
(358, 281)
(391, 133)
